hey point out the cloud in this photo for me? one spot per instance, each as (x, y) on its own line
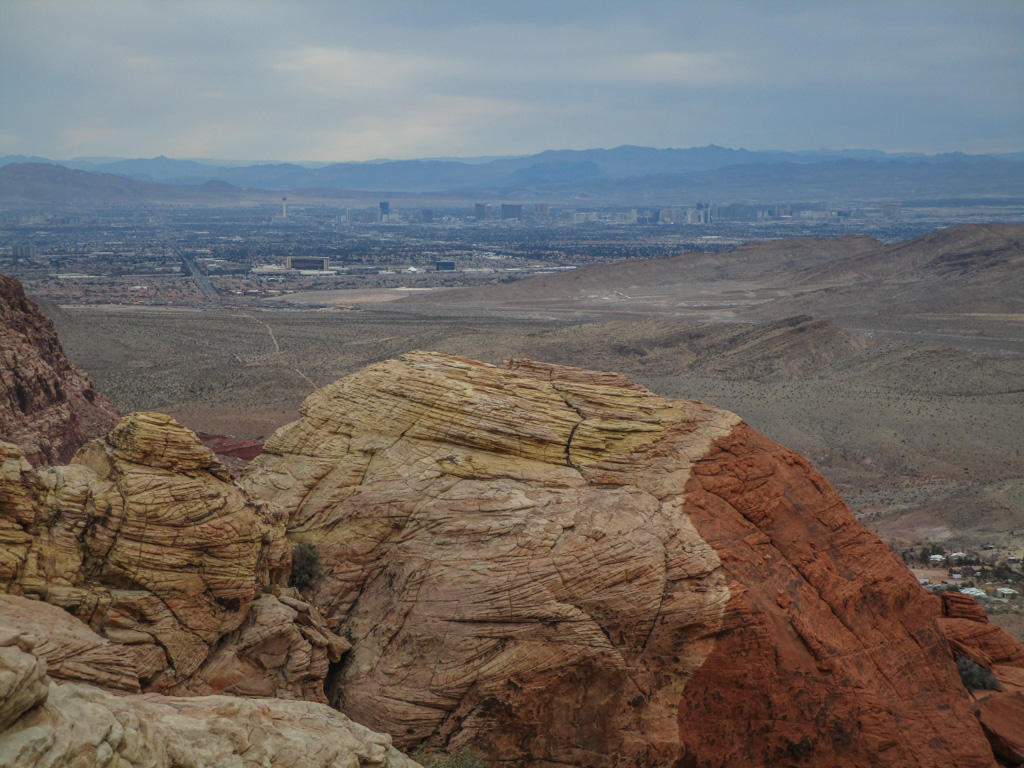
(330, 71)
(309, 80)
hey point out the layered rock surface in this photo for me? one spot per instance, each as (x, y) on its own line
(145, 538)
(47, 406)
(42, 723)
(548, 564)
(557, 566)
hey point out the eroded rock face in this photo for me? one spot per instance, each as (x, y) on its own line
(42, 723)
(556, 565)
(145, 538)
(72, 652)
(284, 649)
(47, 406)
(1001, 715)
(956, 605)
(23, 681)
(986, 644)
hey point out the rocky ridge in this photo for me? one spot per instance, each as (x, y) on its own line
(547, 564)
(47, 406)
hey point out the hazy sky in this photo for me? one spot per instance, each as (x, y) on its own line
(294, 80)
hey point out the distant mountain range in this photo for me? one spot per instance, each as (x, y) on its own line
(626, 172)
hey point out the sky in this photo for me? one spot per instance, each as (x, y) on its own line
(312, 80)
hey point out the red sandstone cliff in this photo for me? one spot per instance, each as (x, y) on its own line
(47, 406)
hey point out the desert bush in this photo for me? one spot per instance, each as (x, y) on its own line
(305, 566)
(975, 676)
(463, 758)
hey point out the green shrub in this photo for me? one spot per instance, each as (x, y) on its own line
(975, 676)
(463, 758)
(305, 566)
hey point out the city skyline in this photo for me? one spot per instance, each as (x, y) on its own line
(318, 81)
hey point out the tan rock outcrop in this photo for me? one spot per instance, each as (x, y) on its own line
(557, 566)
(47, 406)
(283, 649)
(44, 724)
(145, 538)
(72, 651)
(17, 510)
(23, 681)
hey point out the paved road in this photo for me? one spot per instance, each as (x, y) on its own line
(200, 279)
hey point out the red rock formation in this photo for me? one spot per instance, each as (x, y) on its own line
(47, 406)
(552, 565)
(827, 636)
(557, 566)
(957, 605)
(965, 625)
(1001, 716)
(987, 644)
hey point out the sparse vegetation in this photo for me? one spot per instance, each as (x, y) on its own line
(305, 566)
(975, 676)
(928, 550)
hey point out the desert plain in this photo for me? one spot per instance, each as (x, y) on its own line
(897, 370)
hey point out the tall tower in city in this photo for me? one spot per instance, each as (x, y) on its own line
(281, 218)
(385, 210)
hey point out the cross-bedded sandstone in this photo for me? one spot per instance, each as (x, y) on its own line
(558, 566)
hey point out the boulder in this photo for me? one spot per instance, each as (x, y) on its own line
(72, 652)
(146, 539)
(44, 724)
(23, 681)
(987, 644)
(282, 650)
(557, 566)
(957, 605)
(1002, 718)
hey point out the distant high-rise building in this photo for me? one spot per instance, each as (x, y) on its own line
(426, 216)
(385, 209)
(541, 211)
(362, 215)
(481, 212)
(511, 211)
(24, 251)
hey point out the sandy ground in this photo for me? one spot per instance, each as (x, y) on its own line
(349, 297)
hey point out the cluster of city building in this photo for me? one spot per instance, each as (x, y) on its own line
(543, 213)
(126, 253)
(985, 576)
